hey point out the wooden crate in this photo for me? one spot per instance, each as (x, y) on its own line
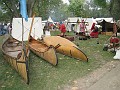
(103, 33)
(109, 33)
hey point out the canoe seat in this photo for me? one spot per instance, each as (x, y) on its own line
(12, 44)
(13, 50)
(14, 54)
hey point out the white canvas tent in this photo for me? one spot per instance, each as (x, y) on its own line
(73, 20)
(68, 25)
(50, 19)
(89, 21)
(45, 21)
(37, 30)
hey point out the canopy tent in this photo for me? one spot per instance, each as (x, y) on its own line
(37, 30)
(45, 21)
(110, 20)
(108, 24)
(68, 25)
(88, 21)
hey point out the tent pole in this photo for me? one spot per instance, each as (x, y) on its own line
(31, 28)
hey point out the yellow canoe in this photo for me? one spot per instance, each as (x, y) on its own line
(13, 53)
(65, 47)
(47, 53)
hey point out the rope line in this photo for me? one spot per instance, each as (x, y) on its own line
(27, 28)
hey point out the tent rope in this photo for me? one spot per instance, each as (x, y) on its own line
(27, 29)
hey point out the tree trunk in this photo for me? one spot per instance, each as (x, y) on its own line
(30, 5)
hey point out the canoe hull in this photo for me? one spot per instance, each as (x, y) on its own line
(71, 38)
(72, 52)
(65, 47)
(19, 61)
(43, 51)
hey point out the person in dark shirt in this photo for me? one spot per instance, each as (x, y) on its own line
(103, 25)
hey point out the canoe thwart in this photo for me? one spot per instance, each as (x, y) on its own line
(57, 46)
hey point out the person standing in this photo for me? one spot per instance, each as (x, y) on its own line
(10, 29)
(77, 27)
(82, 27)
(103, 25)
(62, 29)
(1, 29)
(94, 31)
(46, 29)
(5, 29)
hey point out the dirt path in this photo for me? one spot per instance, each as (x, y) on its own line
(87, 81)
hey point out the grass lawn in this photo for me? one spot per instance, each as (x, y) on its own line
(44, 76)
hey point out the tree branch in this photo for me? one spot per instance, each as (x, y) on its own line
(8, 7)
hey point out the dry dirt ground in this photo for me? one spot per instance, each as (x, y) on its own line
(85, 82)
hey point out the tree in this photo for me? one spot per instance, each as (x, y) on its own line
(115, 8)
(10, 6)
(60, 13)
(76, 7)
(13, 6)
(93, 10)
(45, 7)
(112, 5)
(40, 7)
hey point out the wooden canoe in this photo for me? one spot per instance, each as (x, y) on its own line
(47, 53)
(65, 47)
(17, 57)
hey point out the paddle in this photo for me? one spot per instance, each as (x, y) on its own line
(30, 33)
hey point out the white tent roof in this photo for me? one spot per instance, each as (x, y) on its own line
(37, 30)
(50, 19)
(106, 19)
(90, 22)
(44, 21)
(73, 20)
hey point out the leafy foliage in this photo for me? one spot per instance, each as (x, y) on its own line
(9, 9)
(101, 3)
(112, 5)
(60, 13)
(41, 7)
(94, 10)
(114, 9)
(44, 7)
(76, 7)
(10, 5)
